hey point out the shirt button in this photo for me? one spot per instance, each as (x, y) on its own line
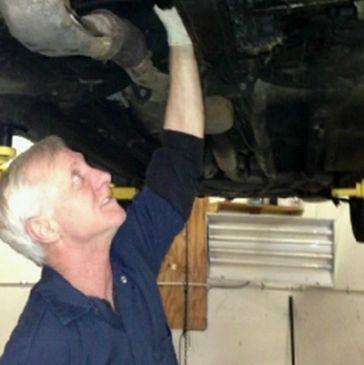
(123, 279)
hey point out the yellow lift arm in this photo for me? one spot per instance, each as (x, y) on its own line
(123, 192)
(6, 154)
(355, 192)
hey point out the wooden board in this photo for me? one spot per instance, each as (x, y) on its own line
(254, 209)
(184, 274)
(174, 303)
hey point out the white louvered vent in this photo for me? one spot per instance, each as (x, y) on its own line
(268, 249)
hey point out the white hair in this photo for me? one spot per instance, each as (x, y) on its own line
(22, 198)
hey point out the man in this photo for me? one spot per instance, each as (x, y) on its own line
(97, 302)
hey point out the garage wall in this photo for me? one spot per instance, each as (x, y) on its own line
(15, 274)
(250, 326)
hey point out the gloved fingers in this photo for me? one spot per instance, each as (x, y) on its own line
(176, 30)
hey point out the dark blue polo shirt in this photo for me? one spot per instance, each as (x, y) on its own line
(62, 326)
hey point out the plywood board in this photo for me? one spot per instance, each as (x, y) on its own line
(183, 277)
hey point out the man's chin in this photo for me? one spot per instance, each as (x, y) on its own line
(121, 217)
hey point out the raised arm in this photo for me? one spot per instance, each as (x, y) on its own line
(184, 111)
(171, 178)
(176, 166)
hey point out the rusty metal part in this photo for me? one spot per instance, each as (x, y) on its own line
(219, 119)
(51, 28)
(148, 95)
(226, 157)
(128, 48)
(219, 114)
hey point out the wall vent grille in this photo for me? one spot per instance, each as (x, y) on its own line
(268, 249)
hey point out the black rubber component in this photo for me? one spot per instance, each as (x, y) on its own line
(357, 218)
(7, 130)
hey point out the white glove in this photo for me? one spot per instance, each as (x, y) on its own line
(176, 31)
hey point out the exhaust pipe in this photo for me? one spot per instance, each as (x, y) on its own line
(51, 28)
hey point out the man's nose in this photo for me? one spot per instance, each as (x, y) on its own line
(101, 177)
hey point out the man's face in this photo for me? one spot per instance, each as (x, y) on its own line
(82, 201)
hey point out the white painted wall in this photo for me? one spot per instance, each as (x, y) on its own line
(250, 326)
(14, 269)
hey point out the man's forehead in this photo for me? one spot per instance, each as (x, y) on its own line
(68, 154)
(65, 160)
(48, 165)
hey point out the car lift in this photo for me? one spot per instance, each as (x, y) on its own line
(123, 192)
(7, 152)
(356, 192)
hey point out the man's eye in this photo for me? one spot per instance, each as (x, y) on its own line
(76, 178)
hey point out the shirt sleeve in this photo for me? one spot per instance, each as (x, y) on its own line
(160, 211)
(175, 168)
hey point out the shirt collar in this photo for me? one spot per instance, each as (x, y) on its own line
(65, 301)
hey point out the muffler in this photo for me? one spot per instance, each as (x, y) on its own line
(51, 28)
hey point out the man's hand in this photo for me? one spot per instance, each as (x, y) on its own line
(184, 111)
(176, 31)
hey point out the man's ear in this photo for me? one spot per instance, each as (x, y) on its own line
(42, 229)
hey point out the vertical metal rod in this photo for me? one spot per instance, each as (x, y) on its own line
(291, 326)
(184, 335)
(186, 313)
(6, 135)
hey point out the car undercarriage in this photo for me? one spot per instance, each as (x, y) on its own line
(282, 81)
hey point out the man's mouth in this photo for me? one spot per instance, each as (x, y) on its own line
(106, 200)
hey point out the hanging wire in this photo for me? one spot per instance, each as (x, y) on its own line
(291, 327)
(185, 337)
(184, 343)
(217, 283)
(17, 285)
